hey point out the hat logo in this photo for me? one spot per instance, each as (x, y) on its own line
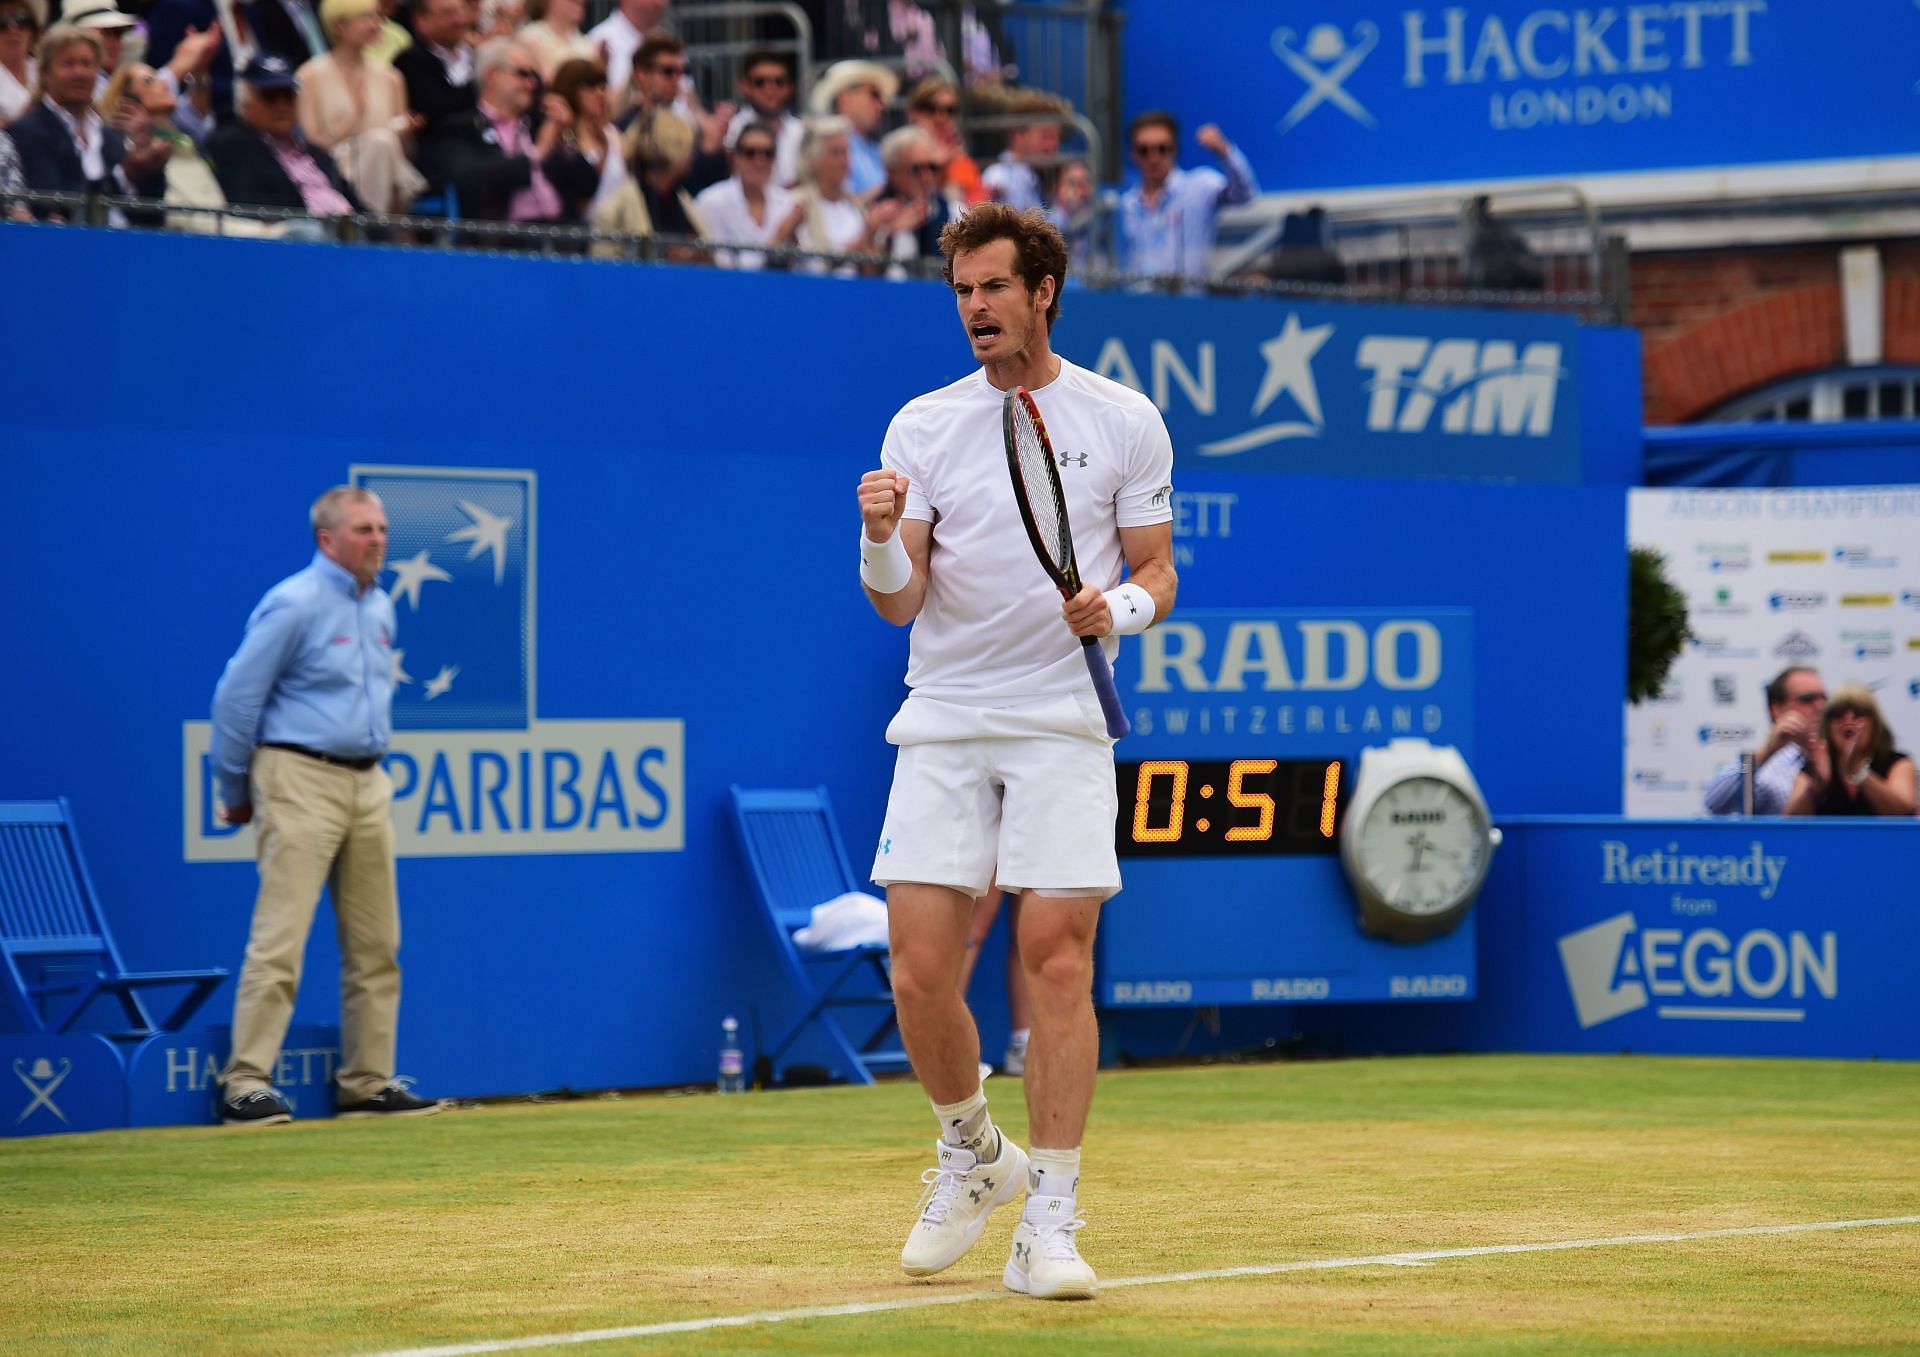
(1325, 64)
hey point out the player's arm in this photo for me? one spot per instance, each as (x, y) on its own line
(894, 550)
(1149, 552)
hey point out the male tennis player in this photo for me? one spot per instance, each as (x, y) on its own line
(1005, 777)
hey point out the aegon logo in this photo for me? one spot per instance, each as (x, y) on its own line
(1152, 992)
(1481, 388)
(1796, 600)
(1329, 656)
(1614, 968)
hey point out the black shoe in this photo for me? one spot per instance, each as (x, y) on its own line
(258, 1107)
(392, 1101)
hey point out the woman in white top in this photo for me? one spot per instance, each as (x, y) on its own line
(749, 208)
(553, 35)
(19, 31)
(357, 109)
(835, 221)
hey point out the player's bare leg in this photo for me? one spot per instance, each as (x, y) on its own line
(976, 1168)
(1056, 951)
(927, 931)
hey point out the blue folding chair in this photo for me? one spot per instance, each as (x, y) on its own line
(796, 859)
(59, 958)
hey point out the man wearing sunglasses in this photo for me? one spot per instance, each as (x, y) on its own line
(1169, 219)
(264, 161)
(505, 169)
(1794, 700)
(766, 91)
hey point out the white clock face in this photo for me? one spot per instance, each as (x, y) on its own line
(1423, 846)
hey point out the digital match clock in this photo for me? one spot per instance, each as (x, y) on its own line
(1230, 807)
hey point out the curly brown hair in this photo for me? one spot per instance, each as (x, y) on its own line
(1039, 250)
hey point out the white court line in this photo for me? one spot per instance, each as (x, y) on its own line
(1412, 1258)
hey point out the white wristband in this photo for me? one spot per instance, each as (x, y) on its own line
(884, 566)
(1132, 608)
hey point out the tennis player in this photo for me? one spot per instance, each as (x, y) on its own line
(1003, 752)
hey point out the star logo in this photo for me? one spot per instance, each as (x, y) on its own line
(410, 574)
(400, 674)
(1289, 356)
(441, 681)
(487, 532)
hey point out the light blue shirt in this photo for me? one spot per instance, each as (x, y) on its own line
(315, 669)
(866, 171)
(1772, 784)
(1173, 236)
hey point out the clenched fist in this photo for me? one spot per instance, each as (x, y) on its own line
(883, 495)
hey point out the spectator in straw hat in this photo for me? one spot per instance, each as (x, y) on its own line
(858, 91)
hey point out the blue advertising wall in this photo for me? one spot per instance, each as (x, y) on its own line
(1775, 937)
(1337, 93)
(681, 447)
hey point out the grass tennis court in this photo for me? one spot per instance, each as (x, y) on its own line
(505, 1221)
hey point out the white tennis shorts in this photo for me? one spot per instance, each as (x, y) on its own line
(1019, 796)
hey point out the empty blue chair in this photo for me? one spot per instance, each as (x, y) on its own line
(795, 857)
(60, 960)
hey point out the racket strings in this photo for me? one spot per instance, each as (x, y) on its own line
(1043, 489)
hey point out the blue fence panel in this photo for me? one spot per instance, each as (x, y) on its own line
(680, 581)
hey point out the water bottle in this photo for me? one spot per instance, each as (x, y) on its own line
(732, 1064)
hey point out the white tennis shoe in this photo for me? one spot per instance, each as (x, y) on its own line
(961, 1192)
(1046, 1260)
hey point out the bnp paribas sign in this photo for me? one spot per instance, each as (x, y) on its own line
(475, 770)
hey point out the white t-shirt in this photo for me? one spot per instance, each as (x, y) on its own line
(619, 39)
(990, 629)
(723, 207)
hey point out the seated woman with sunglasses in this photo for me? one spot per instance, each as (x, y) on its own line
(749, 208)
(1853, 769)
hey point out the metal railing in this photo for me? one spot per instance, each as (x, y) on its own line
(719, 37)
(1069, 48)
(1544, 246)
(1378, 281)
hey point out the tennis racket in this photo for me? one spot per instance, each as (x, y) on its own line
(1043, 508)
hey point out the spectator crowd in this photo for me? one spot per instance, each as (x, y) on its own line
(516, 111)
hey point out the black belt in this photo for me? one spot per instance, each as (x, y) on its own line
(358, 765)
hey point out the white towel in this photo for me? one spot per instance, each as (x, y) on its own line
(851, 920)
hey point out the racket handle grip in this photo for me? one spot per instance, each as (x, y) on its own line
(1109, 695)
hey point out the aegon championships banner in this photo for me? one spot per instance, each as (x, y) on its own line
(1825, 578)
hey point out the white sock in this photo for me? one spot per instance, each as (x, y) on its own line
(967, 1126)
(1056, 1173)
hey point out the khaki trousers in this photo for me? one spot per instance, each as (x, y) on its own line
(320, 825)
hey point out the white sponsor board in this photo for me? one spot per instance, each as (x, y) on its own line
(556, 787)
(1828, 578)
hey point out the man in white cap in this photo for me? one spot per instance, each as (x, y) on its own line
(858, 91)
